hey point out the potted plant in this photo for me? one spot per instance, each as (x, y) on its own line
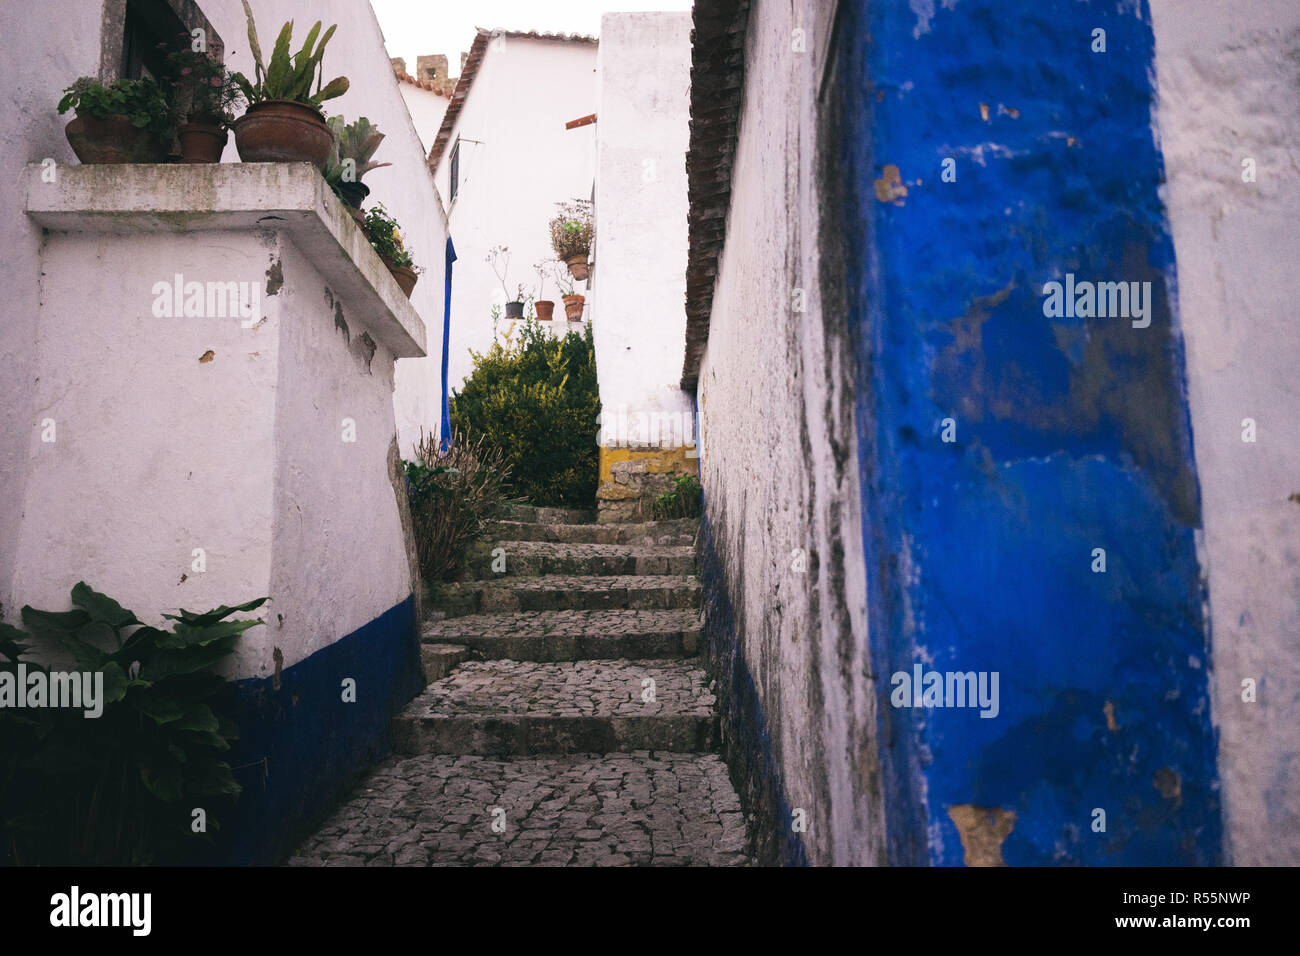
(499, 258)
(354, 144)
(284, 122)
(127, 121)
(206, 96)
(387, 241)
(572, 232)
(573, 302)
(545, 307)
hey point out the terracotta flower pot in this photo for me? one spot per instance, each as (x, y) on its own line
(406, 276)
(573, 306)
(113, 140)
(280, 131)
(514, 310)
(578, 267)
(545, 310)
(406, 279)
(201, 142)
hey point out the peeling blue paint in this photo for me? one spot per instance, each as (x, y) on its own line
(1071, 434)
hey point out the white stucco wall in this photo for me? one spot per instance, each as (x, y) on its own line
(638, 304)
(1227, 92)
(427, 109)
(357, 51)
(155, 453)
(524, 161)
(779, 459)
(158, 454)
(40, 55)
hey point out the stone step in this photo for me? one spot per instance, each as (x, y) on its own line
(682, 531)
(500, 708)
(555, 592)
(514, 511)
(440, 658)
(520, 558)
(569, 635)
(639, 809)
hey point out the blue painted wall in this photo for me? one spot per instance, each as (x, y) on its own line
(301, 746)
(1072, 434)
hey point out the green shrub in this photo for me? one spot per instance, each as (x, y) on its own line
(120, 788)
(686, 500)
(537, 400)
(453, 495)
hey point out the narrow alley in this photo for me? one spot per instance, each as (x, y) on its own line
(568, 720)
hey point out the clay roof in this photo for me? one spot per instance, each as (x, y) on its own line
(717, 78)
(470, 70)
(422, 84)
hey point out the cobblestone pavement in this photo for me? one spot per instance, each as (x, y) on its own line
(571, 623)
(639, 808)
(568, 723)
(568, 689)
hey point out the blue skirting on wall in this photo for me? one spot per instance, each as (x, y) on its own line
(302, 746)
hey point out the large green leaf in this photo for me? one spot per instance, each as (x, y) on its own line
(162, 710)
(186, 636)
(279, 71)
(188, 660)
(199, 717)
(253, 45)
(54, 623)
(12, 643)
(115, 683)
(216, 614)
(101, 608)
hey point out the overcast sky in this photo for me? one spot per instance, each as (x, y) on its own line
(415, 27)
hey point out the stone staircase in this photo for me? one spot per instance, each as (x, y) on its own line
(567, 720)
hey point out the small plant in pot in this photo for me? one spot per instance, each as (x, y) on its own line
(206, 96)
(386, 240)
(354, 144)
(572, 232)
(284, 122)
(127, 121)
(545, 307)
(499, 258)
(573, 302)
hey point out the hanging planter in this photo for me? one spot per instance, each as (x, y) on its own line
(578, 267)
(283, 123)
(125, 122)
(545, 310)
(573, 306)
(572, 232)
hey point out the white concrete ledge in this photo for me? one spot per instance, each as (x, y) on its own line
(287, 197)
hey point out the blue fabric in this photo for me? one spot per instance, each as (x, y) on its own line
(444, 428)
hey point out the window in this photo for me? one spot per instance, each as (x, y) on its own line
(150, 29)
(454, 173)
